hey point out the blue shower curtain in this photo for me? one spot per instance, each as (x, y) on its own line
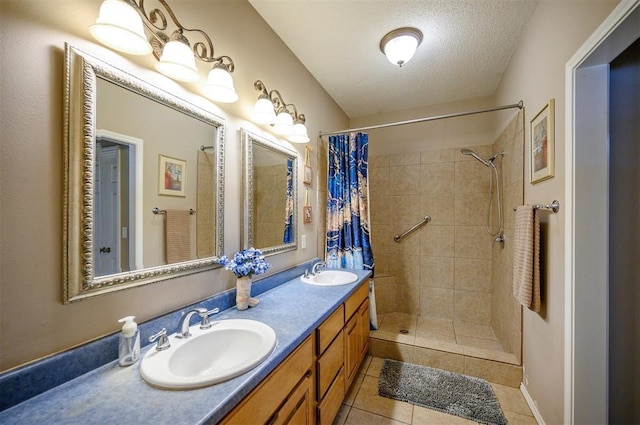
(348, 236)
(288, 221)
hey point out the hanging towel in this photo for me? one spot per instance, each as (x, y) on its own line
(526, 258)
(178, 232)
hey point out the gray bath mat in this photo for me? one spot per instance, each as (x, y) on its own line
(448, 392)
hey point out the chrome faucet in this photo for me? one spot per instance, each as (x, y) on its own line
(317, 265)
(183, 325)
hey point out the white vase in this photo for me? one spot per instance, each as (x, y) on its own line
(243, 294)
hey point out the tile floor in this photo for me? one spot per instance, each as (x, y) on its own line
(363, 405)
(441, 334)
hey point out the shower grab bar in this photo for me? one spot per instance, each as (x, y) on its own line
(554, 206)
(424, 221)
(157, 210)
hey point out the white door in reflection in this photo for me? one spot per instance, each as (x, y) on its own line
(107, 208)
(117, 203)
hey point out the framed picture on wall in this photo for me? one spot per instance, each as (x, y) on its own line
(542, 144)
(172, 175)
(307, 214)
(308, 174)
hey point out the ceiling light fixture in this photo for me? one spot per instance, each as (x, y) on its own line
(400, 45)
(270, 108)
(121, 25)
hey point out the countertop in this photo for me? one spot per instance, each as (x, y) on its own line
(118, 395)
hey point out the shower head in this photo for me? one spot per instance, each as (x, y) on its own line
(465, 151)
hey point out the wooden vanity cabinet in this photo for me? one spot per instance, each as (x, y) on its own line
(356, 333)
(286, 396)
(309, 386)
(340, 358)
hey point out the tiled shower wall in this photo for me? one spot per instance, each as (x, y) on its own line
(506, 313)
(443, 269)
(270, 197)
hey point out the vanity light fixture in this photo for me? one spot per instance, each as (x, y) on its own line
(400, 45)
(270, 108)
(121, 25)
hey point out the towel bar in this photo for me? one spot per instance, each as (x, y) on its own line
(157, 210)
(554, 206)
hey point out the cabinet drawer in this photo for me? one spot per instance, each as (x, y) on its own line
(329, 365)
(298, 407)
(354, 301)
(262, 402)
(329, 406)
(328, 330)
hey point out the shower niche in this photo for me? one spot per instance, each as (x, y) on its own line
(443, 293)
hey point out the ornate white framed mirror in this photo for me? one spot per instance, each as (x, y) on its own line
(144, 182)
(270, 195)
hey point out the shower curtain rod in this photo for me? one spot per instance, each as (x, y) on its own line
(518, 105)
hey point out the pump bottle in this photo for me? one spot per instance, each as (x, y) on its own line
(129, 344)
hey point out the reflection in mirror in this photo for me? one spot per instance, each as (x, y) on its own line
(131, 147)
(269, 195)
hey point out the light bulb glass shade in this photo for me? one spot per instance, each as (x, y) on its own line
(299, 134)
(178, 62)
(219, 86)
(263, 112)
(120, 27)
(400, 45)
(284, 124)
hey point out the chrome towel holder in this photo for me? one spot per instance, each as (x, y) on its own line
(157, 210)
(554, 206)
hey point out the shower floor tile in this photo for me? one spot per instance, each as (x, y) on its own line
(470, 339)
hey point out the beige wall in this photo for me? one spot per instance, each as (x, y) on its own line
(32, 34)
(535, 75)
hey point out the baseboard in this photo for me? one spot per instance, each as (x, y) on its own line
(532, 405)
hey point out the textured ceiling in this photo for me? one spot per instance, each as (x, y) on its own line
(467, 46)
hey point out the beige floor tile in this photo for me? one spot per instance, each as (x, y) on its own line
(499, 356)
(353, 390)
(395, 336)
(435, 325)
(438, 344)
(375, 366)
(360, 417)
(369, 400)
(341, 417)
(424, 416)
(486, 344)
(511, 399)
(400, 320)
(517, 419)
(429, 334)
(474, 330)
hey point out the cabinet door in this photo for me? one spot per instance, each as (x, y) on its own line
(298, 408)
(363, 328)
(351, 350)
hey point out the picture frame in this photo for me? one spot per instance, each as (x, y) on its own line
(307, 176)
(307, 214)
(542, 144)
(172, 176)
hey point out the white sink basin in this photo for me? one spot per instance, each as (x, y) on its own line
(228, 349)
(331, 278)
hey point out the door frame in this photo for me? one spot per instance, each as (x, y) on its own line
(136, 196)
(586, 232)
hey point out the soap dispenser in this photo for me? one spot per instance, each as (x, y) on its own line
(129, 344)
